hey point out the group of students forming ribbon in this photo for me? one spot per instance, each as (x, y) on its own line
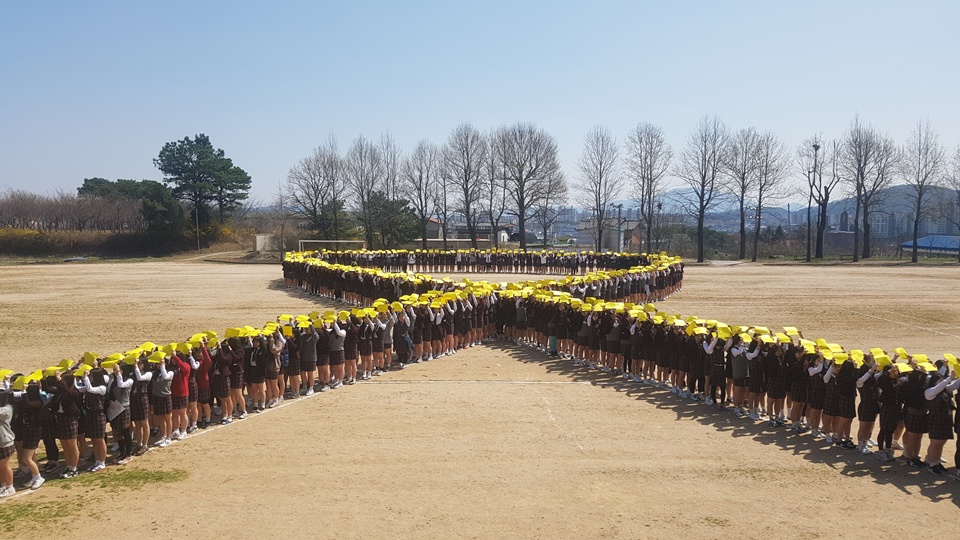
(154, 395)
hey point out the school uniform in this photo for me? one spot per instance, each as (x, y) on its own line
(940, 416)
(869, 407)
(890, 410)
(140, 395)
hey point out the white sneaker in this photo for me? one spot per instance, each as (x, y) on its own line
(164, 443)
(310, 392)
(6, 492)
(871, 442)
(896, 445)
(36, 483)
(708, 401)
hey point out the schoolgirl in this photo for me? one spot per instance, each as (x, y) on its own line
(179, 395)
(775, 374)
(351, 349)
(256, 357)
(869, 407)
(118, 393)
(93, 390)
(7, 448)
(163, 400)
(365, 346)
(336, 337)
(67, 398)
(202, 380)
(891, 409)
(940, 409)
(31, 406)
(140, 399)
(274, 344)
(740, 370)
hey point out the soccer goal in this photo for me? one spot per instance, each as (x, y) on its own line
(332, 245)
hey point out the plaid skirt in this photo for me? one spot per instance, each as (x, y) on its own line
(847, 406)
(868, 410)
(272, 374)
(162, 405)
(48, 423)
(816, 396)
(831, 404)
(777, 388)
(336, 358)
(351, 354)
(625, 349)
(612, 346)
(31, 435)
(697, 369)
(95, 425)
(219, 386)
(915, 422)
(376, 345)
(293, 366)
(236, 379)
(940, 426)
(192, 389)
(139, 407)
(718, 374)
(67, 427)
(890, 416)
(178, 402)
(121, 422)
(366, 347)
(436, 332)
(741, 383)
(7, 451)
(204, 395)
(798, 390)
(594, 343)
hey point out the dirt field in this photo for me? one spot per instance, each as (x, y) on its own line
(492, 442)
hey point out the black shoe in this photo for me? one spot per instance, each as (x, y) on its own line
(938, 469)
(915, 463)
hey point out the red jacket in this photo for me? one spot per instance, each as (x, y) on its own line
(180, 386)
(203, 372)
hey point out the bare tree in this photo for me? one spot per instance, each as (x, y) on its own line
(420, 175)
(316, 189)
(648, 160)
(858, 162)
(887, 161)
(601, 182)
(547, 211)
(529, 158)
(771, 171)
(494, 200)
(922, 168)
(463, 157)
(442, 205)
(813, 156)
(391, 157)
(364, 167)
(951, 205)
(700, 167)
(741, 165)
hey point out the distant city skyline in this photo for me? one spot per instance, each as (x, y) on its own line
(95, 89)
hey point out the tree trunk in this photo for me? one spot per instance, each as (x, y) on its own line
(743, 230)
(821, 226)
(916, 235)
(472, 229)
(423, 233)
(756, 237)
(810, 223)
(649, 225)
(700, 217)
(856, 232)
(599, 236)
(522, 222)
(866, 232)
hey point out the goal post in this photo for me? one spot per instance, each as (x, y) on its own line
(333, 245)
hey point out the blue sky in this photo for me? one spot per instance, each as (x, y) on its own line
(96, 88)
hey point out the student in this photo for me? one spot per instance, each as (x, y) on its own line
(891, 411)
(202, 379)
(238, 355)
(93, 390)
(914, 416)
(68, 414)
(32, 431)
(220, 376)
(163, 399)
(193, 394)
(307, 344)
(940, 424)
(179, 395)
(869, 407)
(274, 346)
(118, 391)
(255, 361)
(7, 436)
(756, 378)
(847, 399)
(775, 374)
(140, 399)
(336, 337)
(48, 420)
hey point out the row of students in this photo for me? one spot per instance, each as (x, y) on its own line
(517, 261)
(755, 376)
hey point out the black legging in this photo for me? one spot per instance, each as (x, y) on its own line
(697, 383)
(723, 391)
(125, 441)
(50, 444)
(885, 440)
